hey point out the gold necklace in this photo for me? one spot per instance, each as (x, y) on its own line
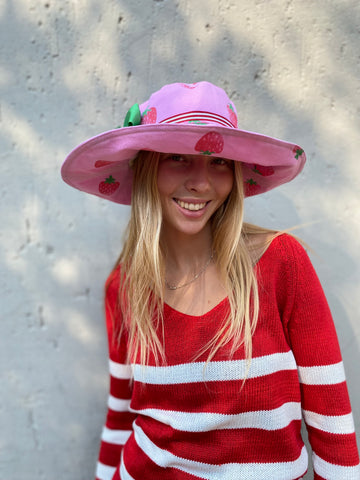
(176, 287)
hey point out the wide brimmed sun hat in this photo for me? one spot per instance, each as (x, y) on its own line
(180, 118)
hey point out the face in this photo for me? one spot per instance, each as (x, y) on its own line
(191, 189)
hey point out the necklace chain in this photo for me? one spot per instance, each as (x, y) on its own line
(176, 287)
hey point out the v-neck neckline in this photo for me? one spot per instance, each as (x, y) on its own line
(224, 300)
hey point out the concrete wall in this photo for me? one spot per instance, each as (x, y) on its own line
(71, 69)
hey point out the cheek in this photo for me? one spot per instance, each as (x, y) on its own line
(226, 184)
(163, 180)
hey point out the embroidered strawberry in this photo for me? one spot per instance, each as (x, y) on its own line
(298, 151)
(108, 186)
(101, 163)
(263, 170)
(149, 116)
(211, 142)
(251, 187)
(232, 114)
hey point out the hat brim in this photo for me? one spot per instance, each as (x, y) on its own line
(267, 162)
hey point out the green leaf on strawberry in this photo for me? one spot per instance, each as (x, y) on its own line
(298, 151)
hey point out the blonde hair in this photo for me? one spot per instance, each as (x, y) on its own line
(141, 294)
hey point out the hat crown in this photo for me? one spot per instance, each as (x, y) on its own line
(199, 103)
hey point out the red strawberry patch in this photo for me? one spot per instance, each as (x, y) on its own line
(210, 143)
(298, 151)
(149, 116)
(251, 187)
(232, 115)
(101, 163)
(108, 186)
(263, 170)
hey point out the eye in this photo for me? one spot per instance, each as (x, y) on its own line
(222, 161)
(176, 158)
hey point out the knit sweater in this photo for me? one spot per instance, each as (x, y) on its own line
(190, 420)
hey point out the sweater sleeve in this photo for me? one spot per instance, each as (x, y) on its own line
(325, 400)
(118, 424)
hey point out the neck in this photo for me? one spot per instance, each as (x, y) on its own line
(186, 253)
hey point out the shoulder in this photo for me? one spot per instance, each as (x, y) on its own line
(285, 248)
(272, 247)
(285, 261)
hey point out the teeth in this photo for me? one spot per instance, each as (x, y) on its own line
(191, 206)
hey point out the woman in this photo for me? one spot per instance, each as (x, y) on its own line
(213, 324)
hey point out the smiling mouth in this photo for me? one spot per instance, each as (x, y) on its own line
(191, 206)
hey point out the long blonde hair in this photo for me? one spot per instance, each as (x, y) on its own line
(141, 294)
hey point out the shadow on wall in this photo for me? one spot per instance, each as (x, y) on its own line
(72, 70)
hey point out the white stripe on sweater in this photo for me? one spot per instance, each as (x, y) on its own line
(322, 375)
(117, 437)
(341, 424)
(204, 421)
(103, 472)
(120, 370)
(118, 404)
(335, 472)
(214, 371)
(206, 471)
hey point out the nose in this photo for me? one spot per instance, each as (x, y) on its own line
(198, 179)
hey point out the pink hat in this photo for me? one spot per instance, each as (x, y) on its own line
(182, 118)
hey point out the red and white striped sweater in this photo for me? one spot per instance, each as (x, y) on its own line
(183, 421)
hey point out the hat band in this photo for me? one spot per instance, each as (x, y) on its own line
(199, 117)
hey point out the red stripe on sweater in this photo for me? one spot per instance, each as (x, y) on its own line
(338, 449)
(119, 420)
(120, 388)
(329, 400)
(109, 454)
(237, 445)
(220, 397)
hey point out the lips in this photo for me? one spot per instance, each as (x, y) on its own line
(194, 207)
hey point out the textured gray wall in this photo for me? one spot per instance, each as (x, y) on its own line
(71, 69)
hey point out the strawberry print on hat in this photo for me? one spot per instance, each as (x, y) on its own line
(210, 143)
(298, 151)
(263, 170)
(108, 186)
(149, 116)
(251, 187)
(232, 115)
(102, 163)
